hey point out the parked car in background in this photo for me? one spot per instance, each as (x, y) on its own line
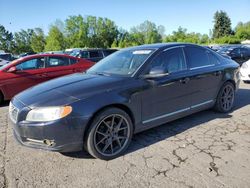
(26, 54)
(3, 62)
(7, 56)
(238, 53)
(125, 93)
(217, 47)
(31, 70)
(245, 72)
(94, 55)
(53, 52)
(71, 50)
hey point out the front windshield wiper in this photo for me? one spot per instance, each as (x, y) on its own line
(102, 73)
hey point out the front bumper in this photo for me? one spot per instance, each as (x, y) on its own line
(64, 135)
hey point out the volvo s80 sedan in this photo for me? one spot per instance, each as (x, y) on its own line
(125, 93)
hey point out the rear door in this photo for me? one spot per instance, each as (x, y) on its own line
(57, 66)
(205, 75)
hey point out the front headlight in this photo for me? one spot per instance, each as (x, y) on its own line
(45, 114)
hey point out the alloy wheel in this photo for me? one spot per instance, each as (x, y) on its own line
(227, 97)
(111, 135)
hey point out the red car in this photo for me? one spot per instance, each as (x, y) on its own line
(31, 70)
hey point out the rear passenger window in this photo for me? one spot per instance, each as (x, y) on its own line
(94, 54)
(84, 54)
(58, 61)
(213, 59)
(108, 52)
(197, 57)
(236, 52)
(73, 61)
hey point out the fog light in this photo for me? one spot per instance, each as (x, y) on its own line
(48, 142)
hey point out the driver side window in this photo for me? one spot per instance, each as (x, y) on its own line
(171, 60)
(32, 64)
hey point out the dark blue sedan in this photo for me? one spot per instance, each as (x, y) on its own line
(127, 92)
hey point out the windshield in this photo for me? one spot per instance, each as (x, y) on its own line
(2, 67)
(124, 62)
(75, 53)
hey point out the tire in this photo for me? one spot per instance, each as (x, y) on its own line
(110, 134)
(246, 82)
(225, 99)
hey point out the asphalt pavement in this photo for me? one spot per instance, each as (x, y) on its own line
(207, 149)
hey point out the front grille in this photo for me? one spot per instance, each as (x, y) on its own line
(13, 112)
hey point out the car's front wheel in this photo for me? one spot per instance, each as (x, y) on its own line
(110, 134)
(225, 99)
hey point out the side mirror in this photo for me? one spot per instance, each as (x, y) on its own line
(156, 72)
(12, 69)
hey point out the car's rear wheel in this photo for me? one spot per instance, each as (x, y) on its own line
(110, 134)
(225, 98)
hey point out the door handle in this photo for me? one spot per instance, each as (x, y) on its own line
(43, 75)
(217, 73)
(77, 70)
(184, 80)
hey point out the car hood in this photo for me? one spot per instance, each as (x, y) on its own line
(68, 89)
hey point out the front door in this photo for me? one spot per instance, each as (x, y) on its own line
(169, 96)
(28, 73)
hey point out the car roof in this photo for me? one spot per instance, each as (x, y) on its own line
(97, 49)
(46, 55)
(160, 45)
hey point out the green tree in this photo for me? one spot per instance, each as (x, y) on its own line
(227, 40)
(38, 40)
(126, 40)
(204, 39)
(76, 32)
(6, 39)
(102, 32)
(181, 35)
(222, 25)
(54, 40)
(242, 31)
(146, 33)
(177, 36)
(23, 41)
(90, 31)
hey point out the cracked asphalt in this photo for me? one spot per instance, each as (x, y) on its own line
(207, 149)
